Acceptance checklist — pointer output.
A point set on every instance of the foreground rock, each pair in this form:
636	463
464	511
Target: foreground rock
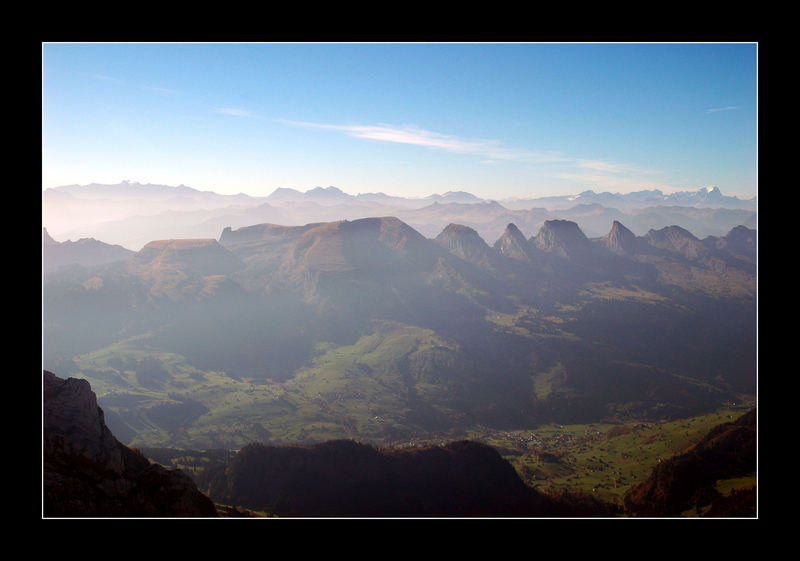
88	473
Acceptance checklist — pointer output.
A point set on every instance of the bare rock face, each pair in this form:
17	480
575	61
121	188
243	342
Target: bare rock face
513	244
89	473
562	237
620	240
464	242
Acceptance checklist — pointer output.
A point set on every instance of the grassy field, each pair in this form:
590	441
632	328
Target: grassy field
603	459
364	391
355	391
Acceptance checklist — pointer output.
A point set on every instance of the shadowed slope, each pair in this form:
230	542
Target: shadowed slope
87	472
346	479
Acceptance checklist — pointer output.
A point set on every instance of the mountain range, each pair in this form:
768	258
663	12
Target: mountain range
214	322
369	329
132	214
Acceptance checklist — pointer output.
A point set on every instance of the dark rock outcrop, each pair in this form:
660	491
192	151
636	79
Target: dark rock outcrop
88	473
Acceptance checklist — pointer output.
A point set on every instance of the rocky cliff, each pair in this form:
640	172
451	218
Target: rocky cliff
88	473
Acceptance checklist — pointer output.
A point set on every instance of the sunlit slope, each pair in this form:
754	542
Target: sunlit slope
367	329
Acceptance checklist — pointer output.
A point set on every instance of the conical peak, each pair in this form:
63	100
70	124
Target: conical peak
512	230
513	244
619	239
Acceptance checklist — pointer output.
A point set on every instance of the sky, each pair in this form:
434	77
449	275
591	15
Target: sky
499	120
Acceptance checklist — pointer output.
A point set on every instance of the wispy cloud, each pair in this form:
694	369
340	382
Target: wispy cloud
120	82
236	112
718	109
614	168
160	90
105	78
596	174
489	150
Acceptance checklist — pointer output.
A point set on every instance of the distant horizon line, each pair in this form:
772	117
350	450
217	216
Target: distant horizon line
698	190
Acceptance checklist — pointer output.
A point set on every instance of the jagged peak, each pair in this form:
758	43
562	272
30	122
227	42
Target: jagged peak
513	244
513	230
619	239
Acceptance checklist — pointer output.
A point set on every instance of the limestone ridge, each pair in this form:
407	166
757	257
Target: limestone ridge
512	244
678	240
740	242
620	240
562	237
89	473
464	242
202	256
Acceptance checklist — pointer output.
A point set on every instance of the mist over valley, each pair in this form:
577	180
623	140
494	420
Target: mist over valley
399	280
367	329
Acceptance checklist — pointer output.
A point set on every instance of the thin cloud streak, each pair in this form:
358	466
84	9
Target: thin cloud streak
491	150
236	112
718	109
609	175
613	168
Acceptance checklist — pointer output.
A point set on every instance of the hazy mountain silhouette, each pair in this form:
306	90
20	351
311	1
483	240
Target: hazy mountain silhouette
131	214
84	252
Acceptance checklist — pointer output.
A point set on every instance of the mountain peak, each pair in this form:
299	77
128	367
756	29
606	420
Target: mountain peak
562	237
677	240
513	244
199	256
464	242
330	190
620	240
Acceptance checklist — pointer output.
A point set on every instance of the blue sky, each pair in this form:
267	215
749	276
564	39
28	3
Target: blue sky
497	120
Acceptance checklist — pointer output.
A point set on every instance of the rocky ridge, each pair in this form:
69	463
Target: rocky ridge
89	473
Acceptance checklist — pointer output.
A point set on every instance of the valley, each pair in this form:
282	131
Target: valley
582	361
